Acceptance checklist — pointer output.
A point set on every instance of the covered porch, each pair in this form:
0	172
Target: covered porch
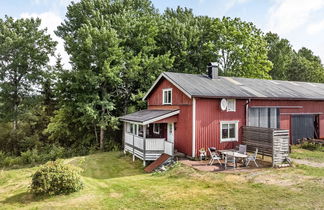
149	133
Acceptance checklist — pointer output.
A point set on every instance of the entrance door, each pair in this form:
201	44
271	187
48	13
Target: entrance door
171	132
169	144
302	126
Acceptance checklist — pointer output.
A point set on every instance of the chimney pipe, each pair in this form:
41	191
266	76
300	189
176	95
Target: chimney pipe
212	70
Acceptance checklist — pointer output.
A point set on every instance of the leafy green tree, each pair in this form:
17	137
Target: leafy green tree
114	58
183	35
24	53
280	54
305	66
239	48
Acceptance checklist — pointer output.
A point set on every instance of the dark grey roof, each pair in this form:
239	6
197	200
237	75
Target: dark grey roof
224	87
146	115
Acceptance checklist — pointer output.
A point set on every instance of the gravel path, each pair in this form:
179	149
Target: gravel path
309	163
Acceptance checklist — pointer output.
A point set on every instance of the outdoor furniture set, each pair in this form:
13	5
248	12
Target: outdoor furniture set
231	156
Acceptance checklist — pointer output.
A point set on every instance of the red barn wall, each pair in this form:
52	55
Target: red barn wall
209	116
310	107
183	126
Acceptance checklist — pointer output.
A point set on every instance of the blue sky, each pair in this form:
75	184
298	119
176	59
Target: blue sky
300	21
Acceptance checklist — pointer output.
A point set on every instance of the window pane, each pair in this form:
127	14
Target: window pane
254	117
169	96
230	104
224	131
131	128
273	118
264	118
136	129
232	130
140	130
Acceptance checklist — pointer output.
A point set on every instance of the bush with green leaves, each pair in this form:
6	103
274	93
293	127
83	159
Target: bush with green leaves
30	156
55	178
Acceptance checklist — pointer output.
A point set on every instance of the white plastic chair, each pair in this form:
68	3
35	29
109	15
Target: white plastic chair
242	149
213	156
252	158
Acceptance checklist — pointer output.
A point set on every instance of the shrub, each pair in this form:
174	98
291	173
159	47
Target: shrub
52	152
2	158
12	161
309	146
55	178
30	156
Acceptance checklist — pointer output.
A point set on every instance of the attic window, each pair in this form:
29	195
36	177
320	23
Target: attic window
231	105
167	96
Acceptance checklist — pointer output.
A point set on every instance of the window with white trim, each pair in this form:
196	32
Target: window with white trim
167	96
231	105
128	127
229	131
156	128
133	128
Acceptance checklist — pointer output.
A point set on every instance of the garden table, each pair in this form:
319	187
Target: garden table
232	153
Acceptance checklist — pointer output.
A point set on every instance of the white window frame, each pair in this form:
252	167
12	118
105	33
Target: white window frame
234	106
221	131
164	91
156	125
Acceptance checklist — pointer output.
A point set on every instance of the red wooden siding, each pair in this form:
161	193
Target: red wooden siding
311	107
321	130
178	97
208	119
183	126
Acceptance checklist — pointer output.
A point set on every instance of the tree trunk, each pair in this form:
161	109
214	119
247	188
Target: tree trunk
102	138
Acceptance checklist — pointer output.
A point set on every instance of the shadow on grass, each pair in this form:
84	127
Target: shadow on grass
23	198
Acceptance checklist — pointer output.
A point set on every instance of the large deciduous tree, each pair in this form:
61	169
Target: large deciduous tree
280	54
114	58
24	53
239	48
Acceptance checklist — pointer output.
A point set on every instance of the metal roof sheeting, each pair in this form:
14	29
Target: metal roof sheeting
233	87
147	115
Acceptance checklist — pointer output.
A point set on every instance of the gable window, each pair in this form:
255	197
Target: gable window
229	131
156	128
231	105
264	117
167	96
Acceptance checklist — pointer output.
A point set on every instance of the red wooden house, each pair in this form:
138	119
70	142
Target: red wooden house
187	112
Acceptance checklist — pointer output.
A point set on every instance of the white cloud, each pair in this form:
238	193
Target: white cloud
287	15
50	20
315	28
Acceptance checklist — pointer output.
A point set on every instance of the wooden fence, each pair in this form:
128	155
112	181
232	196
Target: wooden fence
270	142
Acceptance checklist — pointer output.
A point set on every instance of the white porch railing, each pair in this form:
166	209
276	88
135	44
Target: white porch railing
148	149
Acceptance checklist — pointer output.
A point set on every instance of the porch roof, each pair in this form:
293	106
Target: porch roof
148	116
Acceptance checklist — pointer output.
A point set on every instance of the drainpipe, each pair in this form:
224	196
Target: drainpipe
247	112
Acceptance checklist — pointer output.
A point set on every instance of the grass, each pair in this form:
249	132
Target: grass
311	155
113	181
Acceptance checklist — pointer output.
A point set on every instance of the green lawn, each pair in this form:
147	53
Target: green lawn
112	181
299	153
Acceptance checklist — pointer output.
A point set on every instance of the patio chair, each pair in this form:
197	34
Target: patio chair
242	149
213	156
252	158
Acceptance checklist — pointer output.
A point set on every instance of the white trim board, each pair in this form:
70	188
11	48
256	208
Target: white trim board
193	127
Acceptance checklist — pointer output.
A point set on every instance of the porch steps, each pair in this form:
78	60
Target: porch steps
158	162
